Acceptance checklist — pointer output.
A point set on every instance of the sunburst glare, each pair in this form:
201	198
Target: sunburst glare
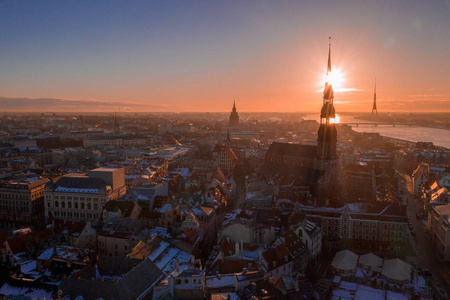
336	79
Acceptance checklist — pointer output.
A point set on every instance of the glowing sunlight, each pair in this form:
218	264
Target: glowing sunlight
336	79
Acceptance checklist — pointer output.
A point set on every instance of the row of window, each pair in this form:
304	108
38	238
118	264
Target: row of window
71	198
21	195
76	215
75	205
186	281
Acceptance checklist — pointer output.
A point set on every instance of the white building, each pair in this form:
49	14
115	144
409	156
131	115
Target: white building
82	197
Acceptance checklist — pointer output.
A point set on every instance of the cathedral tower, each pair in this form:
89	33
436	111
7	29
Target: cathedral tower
327	135
328	188
234	117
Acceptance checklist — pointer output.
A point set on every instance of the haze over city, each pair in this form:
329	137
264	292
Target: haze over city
198	56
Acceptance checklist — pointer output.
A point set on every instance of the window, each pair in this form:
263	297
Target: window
63	204
82	205
89	206
95	206
69	204
76	205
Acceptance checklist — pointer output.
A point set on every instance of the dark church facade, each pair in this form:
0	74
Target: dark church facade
315	165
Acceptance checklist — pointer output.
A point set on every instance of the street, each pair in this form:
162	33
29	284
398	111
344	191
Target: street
425	251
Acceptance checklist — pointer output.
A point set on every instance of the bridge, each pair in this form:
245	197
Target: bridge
376	124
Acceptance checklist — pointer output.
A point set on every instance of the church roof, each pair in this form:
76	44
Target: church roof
304	174
286	149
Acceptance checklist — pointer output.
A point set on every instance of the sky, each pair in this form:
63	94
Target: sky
199	56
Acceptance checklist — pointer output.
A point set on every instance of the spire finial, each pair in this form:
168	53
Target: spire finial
329	55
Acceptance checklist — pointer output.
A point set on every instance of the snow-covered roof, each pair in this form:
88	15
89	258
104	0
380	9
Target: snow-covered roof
345	260
370	260
396	269
76	190
30	292
220	281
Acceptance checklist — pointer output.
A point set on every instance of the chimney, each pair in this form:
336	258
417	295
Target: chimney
237	248
178	266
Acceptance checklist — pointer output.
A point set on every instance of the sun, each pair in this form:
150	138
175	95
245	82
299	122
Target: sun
336	79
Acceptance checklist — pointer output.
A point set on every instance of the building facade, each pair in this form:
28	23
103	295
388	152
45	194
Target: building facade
82	197
439	229
22	201
377	227
115	141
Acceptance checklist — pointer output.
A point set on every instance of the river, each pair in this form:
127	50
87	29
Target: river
439	137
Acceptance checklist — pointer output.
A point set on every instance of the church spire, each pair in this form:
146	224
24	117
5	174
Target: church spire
327	135
228	140
328	93
329	56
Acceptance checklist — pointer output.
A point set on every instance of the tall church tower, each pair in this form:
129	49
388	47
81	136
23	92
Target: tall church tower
328	188
327	135
234	117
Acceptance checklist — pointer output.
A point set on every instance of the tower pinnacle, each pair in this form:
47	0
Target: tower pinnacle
329	56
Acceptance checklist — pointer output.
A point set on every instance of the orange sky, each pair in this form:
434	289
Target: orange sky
269	56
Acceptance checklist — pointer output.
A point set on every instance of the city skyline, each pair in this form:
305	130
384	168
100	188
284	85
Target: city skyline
184	57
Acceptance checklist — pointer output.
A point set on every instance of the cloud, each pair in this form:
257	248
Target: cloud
65	104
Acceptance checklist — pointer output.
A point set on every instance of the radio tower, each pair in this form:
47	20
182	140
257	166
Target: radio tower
374	108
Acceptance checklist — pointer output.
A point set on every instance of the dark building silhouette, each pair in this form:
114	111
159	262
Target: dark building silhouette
316	166
234	117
